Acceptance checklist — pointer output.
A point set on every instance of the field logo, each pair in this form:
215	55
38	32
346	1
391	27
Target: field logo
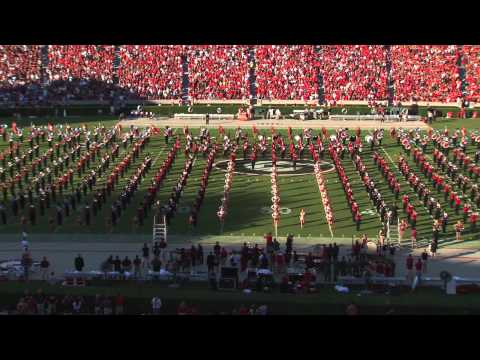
284	167
368	212
267	210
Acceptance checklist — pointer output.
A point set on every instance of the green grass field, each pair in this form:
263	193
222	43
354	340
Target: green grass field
249	196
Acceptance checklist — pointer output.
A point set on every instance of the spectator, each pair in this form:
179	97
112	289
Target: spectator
418	268
210	262
44	268
127	265
352	309
97	305
137	267
409	266
146	255
156	305
182	309
77	305
107	306
156	264
424	258
26	264
79	263
119	304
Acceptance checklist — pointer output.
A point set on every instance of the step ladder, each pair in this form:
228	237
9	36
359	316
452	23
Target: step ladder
394	236
159	228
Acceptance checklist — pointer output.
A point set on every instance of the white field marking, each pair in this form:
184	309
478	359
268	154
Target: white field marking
160	153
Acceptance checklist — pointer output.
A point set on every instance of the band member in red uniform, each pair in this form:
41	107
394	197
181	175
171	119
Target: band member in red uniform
473	221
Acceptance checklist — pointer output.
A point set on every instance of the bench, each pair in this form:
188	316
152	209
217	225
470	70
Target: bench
374	117
203	116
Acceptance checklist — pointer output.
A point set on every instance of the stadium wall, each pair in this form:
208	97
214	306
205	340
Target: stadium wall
260	102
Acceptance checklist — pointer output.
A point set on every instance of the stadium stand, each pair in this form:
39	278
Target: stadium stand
33	74
20	74
471	61
80	72
425	73
286	72
354	72
151	71
218	71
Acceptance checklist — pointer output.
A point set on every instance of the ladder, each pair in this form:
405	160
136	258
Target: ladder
159	228
394	236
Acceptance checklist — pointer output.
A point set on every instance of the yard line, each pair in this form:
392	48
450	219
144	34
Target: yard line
160	153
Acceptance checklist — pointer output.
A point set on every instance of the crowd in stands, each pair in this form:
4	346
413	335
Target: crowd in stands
286	72
471	62
425	73
151	71
354	72
349	72
20	73
80	72
218	71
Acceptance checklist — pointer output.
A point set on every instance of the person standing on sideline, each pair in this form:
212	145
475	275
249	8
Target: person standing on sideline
119	304
44	268
24	241
145	255
79	263
418	269
137	267
424	257
433	248
302	218
156	305
26	263
409	265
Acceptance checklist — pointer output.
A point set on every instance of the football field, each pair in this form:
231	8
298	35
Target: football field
249	207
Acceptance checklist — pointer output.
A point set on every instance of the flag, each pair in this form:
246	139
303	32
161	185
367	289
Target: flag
254	129
221	130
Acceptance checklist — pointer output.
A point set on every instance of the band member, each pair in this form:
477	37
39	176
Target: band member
294	161
302	218
458	230
253	159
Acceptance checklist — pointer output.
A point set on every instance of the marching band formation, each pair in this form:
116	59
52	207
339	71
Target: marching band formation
82	167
